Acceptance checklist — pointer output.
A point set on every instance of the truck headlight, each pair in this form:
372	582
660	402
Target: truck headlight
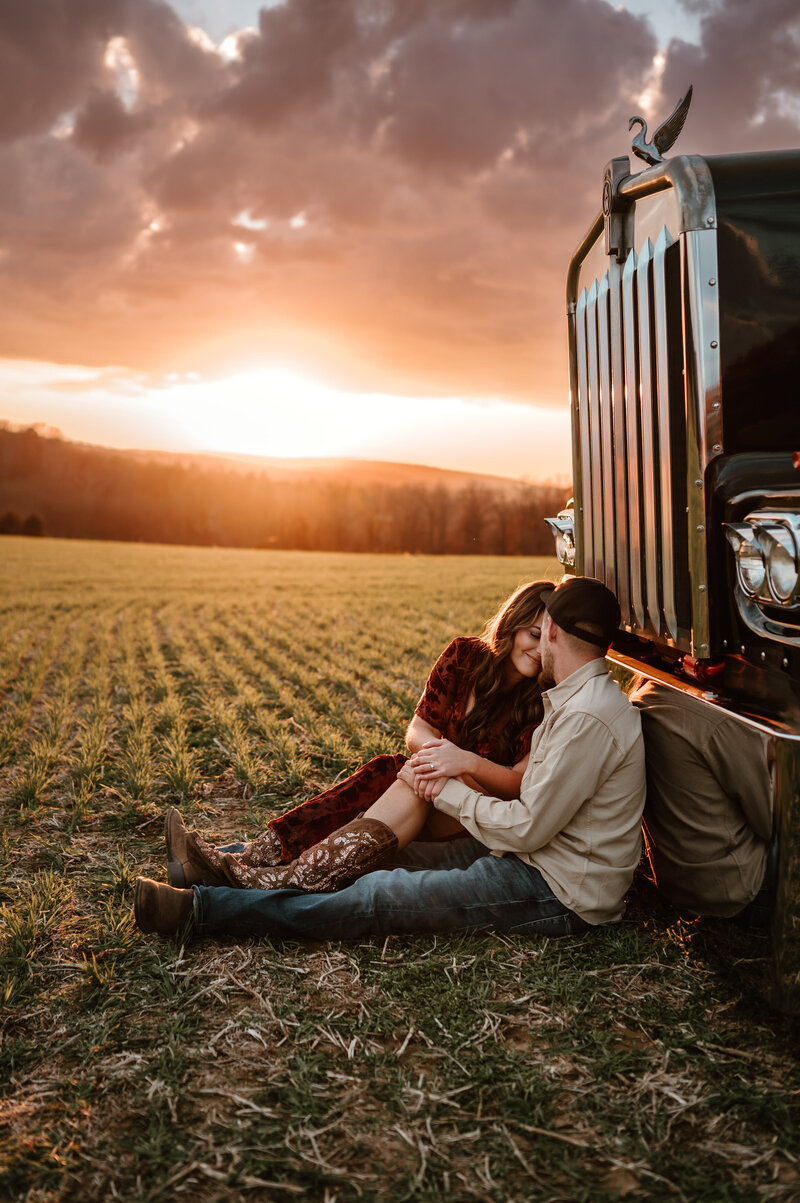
767	549
782	566
563	529
565	547
750	566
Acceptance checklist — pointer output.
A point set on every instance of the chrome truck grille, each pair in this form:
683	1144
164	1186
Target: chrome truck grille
627	340
644	337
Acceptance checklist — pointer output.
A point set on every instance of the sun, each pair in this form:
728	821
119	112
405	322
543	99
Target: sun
266	412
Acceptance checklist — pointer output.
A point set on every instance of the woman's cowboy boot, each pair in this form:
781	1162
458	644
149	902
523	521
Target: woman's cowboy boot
159	908
333	863
265	850
189	864
186	863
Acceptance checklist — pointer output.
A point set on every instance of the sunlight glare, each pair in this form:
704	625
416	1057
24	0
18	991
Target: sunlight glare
271	412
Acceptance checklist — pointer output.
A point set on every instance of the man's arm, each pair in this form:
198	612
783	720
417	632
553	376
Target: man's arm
553	790
739	758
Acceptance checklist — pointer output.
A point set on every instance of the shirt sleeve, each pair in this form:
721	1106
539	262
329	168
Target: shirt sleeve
440	694
553	789
737	756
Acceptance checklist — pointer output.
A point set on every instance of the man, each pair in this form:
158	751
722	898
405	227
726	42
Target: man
557	860
708	816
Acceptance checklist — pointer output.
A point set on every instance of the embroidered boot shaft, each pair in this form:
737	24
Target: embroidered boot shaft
266	850
333	863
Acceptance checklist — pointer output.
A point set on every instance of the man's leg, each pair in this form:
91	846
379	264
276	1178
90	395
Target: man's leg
498	893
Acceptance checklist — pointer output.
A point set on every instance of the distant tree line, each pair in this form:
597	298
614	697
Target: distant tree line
76	491
12	524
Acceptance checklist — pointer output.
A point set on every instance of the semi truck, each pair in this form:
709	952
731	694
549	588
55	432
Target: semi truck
683	307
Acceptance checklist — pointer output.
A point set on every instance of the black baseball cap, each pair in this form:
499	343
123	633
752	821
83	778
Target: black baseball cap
581	600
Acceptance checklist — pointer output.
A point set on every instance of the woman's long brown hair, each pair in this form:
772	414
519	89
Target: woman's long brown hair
520	611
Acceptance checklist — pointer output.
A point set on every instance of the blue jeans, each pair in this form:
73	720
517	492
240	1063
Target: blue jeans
441	887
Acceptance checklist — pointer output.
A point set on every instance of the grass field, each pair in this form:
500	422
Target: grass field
632	1062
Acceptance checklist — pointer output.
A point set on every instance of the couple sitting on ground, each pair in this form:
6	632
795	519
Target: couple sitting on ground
519	809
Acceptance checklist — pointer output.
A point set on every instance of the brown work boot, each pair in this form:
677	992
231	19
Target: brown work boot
333	863
161	908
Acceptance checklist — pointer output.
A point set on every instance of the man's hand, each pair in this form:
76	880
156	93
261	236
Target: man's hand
428	789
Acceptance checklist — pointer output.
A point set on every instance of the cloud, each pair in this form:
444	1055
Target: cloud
416	176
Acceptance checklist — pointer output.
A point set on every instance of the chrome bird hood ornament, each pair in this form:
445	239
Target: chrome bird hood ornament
664	137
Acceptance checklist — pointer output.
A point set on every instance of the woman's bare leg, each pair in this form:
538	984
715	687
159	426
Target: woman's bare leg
402	810
407	814
438	825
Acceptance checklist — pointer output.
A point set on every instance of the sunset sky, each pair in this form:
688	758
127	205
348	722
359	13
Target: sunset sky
335	227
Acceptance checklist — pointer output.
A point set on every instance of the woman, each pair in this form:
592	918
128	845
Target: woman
475	719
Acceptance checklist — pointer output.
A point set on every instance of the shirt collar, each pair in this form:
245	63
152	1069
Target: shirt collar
565	689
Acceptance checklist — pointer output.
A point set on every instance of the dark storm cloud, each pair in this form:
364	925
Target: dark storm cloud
388	190
104	126
50	52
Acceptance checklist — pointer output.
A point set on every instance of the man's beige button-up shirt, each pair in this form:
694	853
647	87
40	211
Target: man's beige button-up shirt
578	816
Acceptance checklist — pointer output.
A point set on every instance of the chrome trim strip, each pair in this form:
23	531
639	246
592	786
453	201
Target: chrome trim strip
648	449
669	608
633	465
585	549
606	435
577	365
689	175
595	517
619	449
702	368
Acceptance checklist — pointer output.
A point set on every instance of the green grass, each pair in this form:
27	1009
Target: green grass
636	1061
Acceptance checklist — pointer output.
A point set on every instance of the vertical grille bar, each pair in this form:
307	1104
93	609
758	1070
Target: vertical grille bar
703	413
585	449
629	330
596	498
606	434
648	448
669	606
620	451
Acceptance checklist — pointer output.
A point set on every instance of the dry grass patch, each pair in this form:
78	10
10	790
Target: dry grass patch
636	1062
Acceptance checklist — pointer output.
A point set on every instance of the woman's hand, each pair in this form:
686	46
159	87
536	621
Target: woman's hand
439	758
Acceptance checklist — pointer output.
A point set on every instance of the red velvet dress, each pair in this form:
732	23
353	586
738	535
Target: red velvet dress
442	704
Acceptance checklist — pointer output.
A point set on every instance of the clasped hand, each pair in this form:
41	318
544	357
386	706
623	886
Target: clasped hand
436	761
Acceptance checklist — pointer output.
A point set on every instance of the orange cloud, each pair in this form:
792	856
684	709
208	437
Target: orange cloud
414	175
